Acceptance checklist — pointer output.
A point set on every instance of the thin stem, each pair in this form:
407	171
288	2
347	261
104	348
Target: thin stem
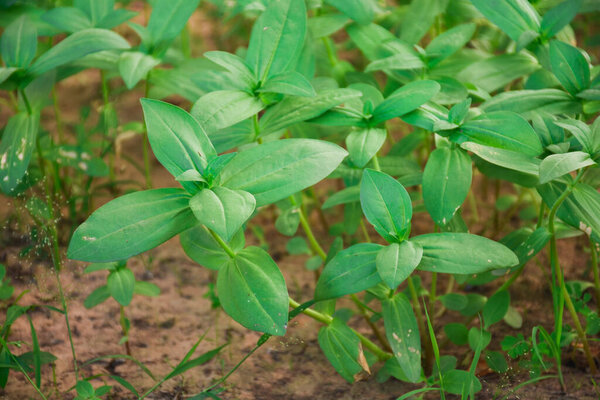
123	321
26	101
16	361
432	293
365	232
594	254
422	327
222	243
363	310
326	319
579	329
376	166
308	231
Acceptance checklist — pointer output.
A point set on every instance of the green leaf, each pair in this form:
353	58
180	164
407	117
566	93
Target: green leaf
396	262
121	283
582	133
252	291
326	25
290	83
287	222
559	16
347	195
350	271
96	10
167	20
108	266
131	224
459	382
505	158
292	110
67	19
446	183
505	130
235	65
557	165
457	333
569	66
419	18
146	289
528	103
341	347
84	389
403	58
404	100
134	66
493	73
5	73
512	16
276	170
454	302
18	44
364	143
402	333
496	308
361	11
16	149
100	295
386	204
462	253
178	141
448	43
297	246
277	38
77	46
201	247
187	364
496	361
223	108
223	210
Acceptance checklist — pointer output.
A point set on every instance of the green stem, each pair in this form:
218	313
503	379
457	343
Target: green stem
26	101
222	243
422	327
308	231
16	361
594	254
432	293
123	321
363	311
376	166
326	319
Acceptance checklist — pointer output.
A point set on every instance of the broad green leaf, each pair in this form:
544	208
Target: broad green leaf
5	73
108	266
223	108
446	183
530	102
347	195
582	133
457	333
292	110
512	16
276	170
403	58
75	47
277	38
98	296
223	210
558	17
96	10
364	143
460	382
115	17
361	11
579	209
121	283
252	291
235	65
19	43
287	222
402	333
404	100
167	20
505	158
459	111
462	253
178	141
396	262
386	204
131	224
134	66
496	361
505	130
16	149
201	247
326	25
351	271
373	40
448	43
418	19
427	116
496	307
491	74
291	83
533	244
341	347
557	165
454	301
67	19
569	66
146	289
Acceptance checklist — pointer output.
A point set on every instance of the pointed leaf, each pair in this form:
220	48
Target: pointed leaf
341	347
223	108
233	64
290	82
200	246
134	66
364	143
18	44
557	165
121	283
404	100
168	19
131	224
16	149
569	66
512	16
396	262
252	291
